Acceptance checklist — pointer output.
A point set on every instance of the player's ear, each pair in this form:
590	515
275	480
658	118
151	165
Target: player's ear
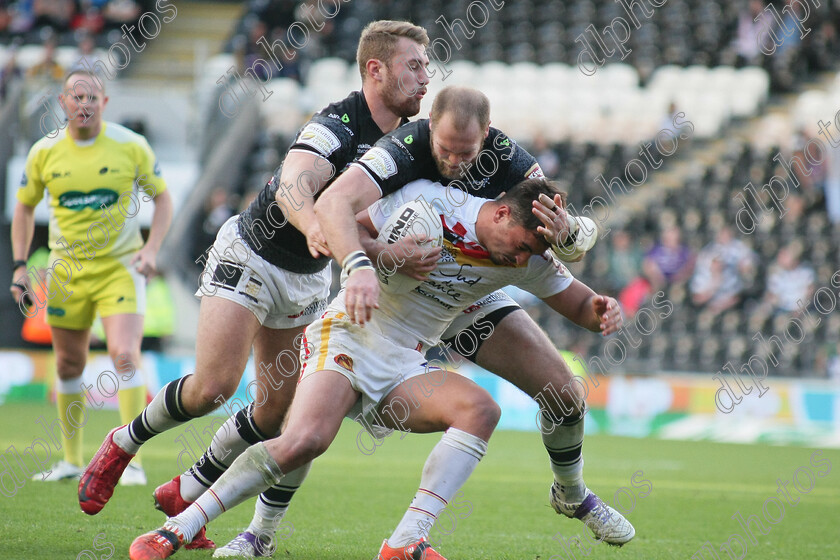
502	213
374	68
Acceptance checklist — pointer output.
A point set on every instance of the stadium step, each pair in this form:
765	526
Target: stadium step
198	31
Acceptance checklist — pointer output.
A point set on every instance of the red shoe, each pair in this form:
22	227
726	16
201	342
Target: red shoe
97	483
168	500
160	543
421	550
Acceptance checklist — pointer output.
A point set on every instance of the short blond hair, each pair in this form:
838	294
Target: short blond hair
464	104
379	41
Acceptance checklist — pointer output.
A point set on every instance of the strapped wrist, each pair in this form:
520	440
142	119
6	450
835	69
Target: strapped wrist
357	260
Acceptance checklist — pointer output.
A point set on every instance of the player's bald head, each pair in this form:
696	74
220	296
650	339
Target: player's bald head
463	105
73	76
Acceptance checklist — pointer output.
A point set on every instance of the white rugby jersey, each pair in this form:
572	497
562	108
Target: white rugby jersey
464	273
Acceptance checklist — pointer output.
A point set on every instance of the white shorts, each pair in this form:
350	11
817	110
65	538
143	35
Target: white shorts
372	363
472	316
278	298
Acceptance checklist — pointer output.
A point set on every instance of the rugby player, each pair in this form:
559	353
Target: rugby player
261	285
348	368
457	147
97	174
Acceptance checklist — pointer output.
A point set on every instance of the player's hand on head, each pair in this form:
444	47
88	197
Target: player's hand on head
145	261
361	295
609	314
414	257
552	214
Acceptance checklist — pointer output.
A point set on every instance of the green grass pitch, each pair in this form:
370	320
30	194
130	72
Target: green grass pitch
352	501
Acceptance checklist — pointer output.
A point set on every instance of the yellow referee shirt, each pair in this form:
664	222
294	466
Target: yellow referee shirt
94	187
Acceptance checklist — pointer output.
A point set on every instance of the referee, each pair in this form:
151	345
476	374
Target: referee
96	174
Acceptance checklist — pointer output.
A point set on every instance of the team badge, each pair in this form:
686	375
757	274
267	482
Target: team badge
252	288
344	361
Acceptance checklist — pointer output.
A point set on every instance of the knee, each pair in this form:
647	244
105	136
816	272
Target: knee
307	445
69	366
212	394
483	411
124	357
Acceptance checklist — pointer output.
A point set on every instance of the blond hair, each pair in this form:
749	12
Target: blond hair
379	41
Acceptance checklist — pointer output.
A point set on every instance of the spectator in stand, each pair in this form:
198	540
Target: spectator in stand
219	207
669	261
789	282
55	14
5	18
10	72
724	269
118	12
277	13
752	22
86	52
48	69
713	286
624	261
89	18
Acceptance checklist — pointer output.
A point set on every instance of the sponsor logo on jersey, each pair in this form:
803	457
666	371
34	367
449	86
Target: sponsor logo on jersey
319	137
534	172
408	139
380	162
75	200
103	171
157	169
57	311
23	180
344	361
345	119
402	146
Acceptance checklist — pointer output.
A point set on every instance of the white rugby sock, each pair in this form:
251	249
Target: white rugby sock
564	443
272	504
251	473
447	469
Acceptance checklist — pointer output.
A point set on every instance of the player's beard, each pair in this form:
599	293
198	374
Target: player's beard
443	167
397	101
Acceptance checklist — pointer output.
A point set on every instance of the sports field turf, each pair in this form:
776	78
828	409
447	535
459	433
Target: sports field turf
352	501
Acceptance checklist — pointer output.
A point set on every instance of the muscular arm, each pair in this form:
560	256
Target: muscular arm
582	306
406	256
304	175
336	211
337	208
